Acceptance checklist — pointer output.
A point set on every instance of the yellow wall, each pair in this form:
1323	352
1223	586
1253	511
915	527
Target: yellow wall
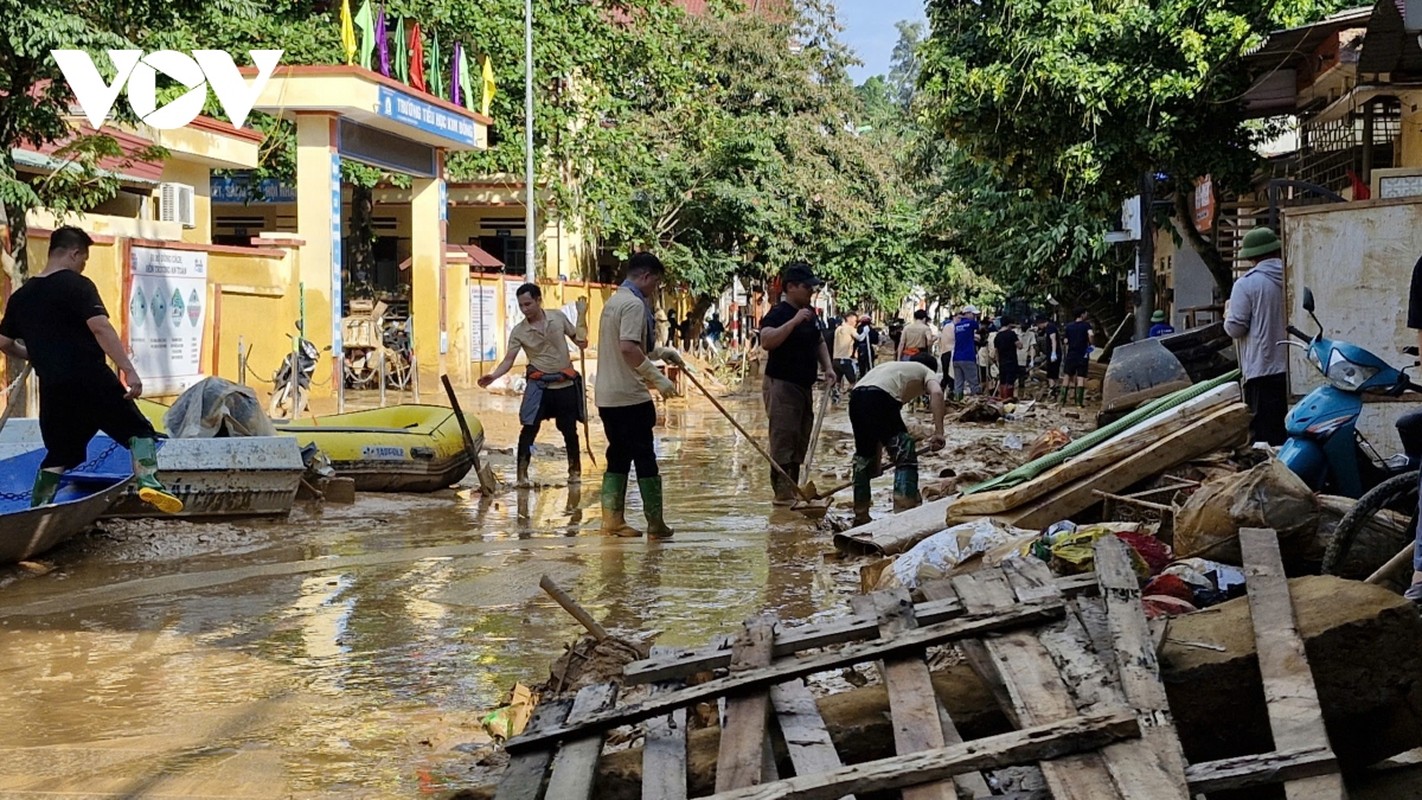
195	175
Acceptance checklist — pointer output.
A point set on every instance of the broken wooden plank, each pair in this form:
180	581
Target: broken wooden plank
1214	431
575	766
523	778
682	663
967	626
918	719
664	753
1260	770
1035	691
806	737
1137	662
740	761
1038	743
1133	764
1295	716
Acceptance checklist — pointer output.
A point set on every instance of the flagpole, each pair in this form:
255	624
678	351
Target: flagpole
530	269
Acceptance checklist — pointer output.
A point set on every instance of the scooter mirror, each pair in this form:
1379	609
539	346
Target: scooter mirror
1308	300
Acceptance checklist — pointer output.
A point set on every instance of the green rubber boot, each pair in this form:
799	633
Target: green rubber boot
906	494
45	488
862	502
651	489
614	506
1081	396
144	452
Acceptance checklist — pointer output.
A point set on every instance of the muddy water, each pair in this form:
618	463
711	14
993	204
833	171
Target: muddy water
350	651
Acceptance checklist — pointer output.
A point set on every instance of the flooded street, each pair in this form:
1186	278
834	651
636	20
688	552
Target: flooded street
350	651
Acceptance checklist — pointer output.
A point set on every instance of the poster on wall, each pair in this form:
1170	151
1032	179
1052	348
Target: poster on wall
167	306
512	316
483	330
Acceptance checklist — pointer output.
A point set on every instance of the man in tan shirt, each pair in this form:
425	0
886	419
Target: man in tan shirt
554	389
625	376
876	416
846	336
915	340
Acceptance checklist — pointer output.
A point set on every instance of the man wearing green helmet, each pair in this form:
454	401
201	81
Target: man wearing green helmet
1255	318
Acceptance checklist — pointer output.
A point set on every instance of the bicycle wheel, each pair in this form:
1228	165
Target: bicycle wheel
1395	492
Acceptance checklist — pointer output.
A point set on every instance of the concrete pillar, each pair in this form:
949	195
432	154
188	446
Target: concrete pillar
318	224
429	214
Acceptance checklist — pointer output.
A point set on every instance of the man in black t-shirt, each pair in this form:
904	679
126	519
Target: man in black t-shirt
1076	364
58	323
1050	344
790	333
1008	343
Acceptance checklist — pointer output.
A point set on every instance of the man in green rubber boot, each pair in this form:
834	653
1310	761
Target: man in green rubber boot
876	416
625	377
58	323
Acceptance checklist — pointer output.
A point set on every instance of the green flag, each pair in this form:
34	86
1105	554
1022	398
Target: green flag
464	94
402	61
436	72
365	20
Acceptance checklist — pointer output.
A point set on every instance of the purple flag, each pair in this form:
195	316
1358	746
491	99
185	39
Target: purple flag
380	40
454	96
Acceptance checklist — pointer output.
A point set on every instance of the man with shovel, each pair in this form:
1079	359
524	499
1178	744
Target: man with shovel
58	323
554	390
790	333
876	415
625	375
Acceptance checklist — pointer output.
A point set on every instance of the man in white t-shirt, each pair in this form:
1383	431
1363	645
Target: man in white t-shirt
876	416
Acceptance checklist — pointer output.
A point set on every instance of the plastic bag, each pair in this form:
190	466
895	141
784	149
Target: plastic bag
217	407
1267	496
935	556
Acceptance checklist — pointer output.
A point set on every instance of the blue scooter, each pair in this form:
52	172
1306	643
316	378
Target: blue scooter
1324	446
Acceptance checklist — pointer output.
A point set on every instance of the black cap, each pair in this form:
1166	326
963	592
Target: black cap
800	272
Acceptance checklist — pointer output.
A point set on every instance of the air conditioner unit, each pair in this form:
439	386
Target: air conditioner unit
177	202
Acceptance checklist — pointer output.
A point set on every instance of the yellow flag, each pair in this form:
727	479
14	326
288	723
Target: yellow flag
489	87
348	39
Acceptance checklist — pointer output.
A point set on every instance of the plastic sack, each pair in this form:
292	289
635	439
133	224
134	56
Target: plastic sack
935	556
1267	496
217	407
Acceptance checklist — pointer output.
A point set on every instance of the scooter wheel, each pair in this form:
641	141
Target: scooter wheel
1399	489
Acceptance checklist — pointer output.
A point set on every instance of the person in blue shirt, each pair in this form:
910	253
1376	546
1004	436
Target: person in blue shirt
1159	327
965	354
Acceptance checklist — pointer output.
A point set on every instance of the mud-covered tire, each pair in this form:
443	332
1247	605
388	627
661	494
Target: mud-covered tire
1387	494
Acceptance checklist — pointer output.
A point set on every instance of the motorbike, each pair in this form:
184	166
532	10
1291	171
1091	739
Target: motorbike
291	384
1326	449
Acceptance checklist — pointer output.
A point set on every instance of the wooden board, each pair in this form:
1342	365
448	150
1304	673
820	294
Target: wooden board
919	722
1130	441
896	532
664	754
523	778
1138	664
1295	716
1223	427
1034	689
968	626
740	762
1259	770
672	663
1038	743
806	737
575	766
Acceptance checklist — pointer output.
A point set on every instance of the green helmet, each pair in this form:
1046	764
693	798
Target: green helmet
1259	241
1158	316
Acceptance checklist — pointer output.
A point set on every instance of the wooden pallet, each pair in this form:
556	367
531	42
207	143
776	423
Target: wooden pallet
1079	679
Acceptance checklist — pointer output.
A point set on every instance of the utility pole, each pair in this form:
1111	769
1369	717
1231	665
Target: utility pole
1145	259
530	236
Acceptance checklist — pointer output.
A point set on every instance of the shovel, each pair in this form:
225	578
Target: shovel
15	389
488	484
809	486
760	449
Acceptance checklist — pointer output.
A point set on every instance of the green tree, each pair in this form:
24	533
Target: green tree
904	63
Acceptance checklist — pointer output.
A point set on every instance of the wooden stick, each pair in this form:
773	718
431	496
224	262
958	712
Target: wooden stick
10	404
1404	556
1120	498
804	495
486	484
815	434
571	606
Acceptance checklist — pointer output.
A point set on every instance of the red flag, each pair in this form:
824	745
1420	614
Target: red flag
1361	191
417	59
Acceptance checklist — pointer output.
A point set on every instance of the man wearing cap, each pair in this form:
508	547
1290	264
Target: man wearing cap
965	353
1254	316
1158	326
625	376
790	334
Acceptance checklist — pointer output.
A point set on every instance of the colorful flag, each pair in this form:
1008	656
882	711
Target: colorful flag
348	40
489	88
417	58
402	67
382	42
458	76
366	23
436	70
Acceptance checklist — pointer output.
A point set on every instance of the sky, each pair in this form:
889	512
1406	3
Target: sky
869	31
